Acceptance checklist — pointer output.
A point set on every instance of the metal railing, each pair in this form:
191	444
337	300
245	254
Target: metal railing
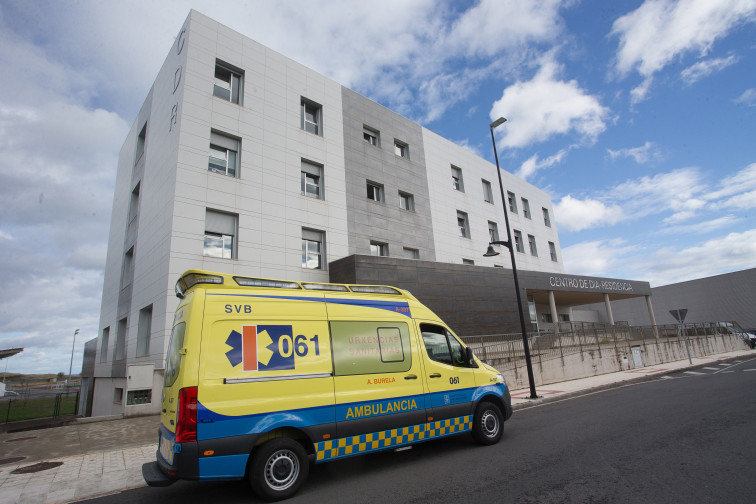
24	405
506	350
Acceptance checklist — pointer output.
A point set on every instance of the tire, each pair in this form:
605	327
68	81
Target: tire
279	467
488	424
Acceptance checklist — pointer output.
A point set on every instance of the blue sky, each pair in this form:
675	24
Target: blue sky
637	117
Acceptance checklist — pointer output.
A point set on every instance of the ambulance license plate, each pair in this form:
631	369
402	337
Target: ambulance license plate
166	449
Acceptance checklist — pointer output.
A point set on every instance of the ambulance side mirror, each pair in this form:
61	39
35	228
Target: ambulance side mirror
469	357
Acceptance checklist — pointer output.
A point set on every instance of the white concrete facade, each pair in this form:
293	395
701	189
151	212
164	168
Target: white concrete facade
161	200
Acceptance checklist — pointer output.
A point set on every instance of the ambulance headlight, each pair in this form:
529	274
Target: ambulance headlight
500	378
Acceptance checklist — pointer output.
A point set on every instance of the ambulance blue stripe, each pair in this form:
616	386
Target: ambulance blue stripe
212	425
400	307
223	467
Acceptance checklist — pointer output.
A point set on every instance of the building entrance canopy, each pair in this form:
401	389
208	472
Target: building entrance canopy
574	290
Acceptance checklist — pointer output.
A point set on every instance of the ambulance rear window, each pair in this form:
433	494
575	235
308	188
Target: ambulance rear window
173	358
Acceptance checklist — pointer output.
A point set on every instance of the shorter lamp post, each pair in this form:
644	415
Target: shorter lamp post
70	367
491	252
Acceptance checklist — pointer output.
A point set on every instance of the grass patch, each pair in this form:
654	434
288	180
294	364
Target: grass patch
27	409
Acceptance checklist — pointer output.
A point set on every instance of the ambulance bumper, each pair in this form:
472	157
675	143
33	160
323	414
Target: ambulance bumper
154	476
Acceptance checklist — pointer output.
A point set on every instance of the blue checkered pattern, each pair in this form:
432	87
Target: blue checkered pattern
366	443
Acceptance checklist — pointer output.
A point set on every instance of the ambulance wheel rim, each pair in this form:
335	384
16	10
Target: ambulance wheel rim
282	470
489	424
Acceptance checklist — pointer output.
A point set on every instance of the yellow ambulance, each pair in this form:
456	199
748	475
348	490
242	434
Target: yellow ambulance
263	375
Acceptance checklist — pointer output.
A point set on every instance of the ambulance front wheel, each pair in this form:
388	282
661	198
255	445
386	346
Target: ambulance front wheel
488	424
279	467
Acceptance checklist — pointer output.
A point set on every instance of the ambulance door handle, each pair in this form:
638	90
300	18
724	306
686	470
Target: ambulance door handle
436	375
410	377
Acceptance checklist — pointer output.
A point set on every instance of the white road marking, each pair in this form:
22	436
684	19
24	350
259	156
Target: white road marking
693	372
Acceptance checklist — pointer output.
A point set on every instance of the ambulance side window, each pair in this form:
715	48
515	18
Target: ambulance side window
442	346
370	347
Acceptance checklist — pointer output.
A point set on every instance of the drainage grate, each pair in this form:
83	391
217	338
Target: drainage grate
20	439
42	466
11	460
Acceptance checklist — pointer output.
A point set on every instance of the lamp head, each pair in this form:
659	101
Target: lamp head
490	252
498	122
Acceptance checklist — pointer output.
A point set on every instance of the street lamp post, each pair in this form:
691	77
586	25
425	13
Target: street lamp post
70	367
491	252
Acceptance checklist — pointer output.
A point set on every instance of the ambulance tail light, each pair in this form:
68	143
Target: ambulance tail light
186	425
186	282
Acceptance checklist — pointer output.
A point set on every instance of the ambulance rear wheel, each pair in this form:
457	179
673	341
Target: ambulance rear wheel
279	467
488	424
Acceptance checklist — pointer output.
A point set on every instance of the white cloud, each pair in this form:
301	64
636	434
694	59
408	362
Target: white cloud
575	214
702	69
661	31
734	251
641	155
679	196
702	227
533	164
748	98
492	26
671	264
597	257
546	106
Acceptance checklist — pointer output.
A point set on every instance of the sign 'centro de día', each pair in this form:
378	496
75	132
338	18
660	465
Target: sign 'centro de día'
590	284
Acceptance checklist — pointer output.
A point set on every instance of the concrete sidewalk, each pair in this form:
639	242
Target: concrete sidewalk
89	458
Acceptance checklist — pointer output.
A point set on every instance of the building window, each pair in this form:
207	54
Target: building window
144	331
546	317
134	203
469	262
512	202
493	231
312	180
457	182
228	83
104	344
406	201
401	149
518	241
224	155
375	191
463	224
127	271
141	140
411	253
546	219
532	245
564	317
379	249
138	397
313	249
312	117
525	208
120	347
118	395
552	250
487	192
220	231
371	136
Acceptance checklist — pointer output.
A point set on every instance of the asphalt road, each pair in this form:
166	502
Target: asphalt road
684	438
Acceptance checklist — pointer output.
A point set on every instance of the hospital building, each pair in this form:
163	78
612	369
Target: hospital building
244	161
